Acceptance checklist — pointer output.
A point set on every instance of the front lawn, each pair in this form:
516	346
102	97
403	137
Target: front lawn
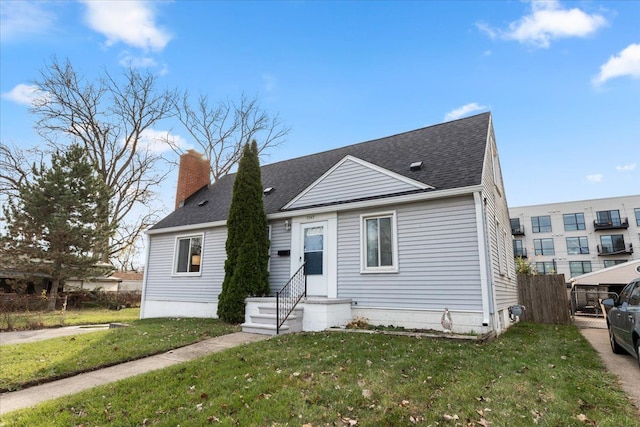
31	363
51	319
533	375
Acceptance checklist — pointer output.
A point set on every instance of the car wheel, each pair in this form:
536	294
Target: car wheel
614	344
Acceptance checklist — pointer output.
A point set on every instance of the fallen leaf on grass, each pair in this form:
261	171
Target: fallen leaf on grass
448	417
416	419
366	393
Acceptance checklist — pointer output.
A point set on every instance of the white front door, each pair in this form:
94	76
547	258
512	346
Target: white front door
315	254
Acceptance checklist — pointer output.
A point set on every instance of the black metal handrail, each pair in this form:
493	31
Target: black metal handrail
289	296
611	224
517	231
615	250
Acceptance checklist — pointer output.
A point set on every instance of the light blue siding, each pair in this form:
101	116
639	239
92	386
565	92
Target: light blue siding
351	181
279	265
498	227
161	285
437	255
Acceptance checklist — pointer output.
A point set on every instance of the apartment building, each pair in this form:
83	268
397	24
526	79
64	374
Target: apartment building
573	238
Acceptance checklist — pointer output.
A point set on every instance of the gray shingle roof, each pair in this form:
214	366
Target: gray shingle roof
452	152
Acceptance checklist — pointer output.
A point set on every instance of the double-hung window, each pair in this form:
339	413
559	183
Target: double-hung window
541	224
188	255
546	267
544	246
577	245
573	221
579	267
379	243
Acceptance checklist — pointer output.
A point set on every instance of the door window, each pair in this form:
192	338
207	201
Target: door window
313	250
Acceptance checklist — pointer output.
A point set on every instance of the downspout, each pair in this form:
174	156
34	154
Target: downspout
483	252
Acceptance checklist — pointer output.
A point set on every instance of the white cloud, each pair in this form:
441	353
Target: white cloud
463	111
129	60
626	168
128	21
626	63
156	140
547	21
24	94
595	177
23	18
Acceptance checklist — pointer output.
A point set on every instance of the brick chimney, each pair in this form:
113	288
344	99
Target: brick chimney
193	174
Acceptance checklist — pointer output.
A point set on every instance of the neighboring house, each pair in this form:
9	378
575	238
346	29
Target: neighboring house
577	237
394	230
131	281
100	283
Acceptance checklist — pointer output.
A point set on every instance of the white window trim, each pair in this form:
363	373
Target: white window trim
363	244
269	259
176	248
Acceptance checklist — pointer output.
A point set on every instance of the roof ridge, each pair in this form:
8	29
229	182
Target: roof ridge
374	140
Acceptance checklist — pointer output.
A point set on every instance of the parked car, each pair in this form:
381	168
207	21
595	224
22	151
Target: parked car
623	320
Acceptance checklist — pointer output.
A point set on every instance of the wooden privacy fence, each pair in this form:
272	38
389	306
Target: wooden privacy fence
545	299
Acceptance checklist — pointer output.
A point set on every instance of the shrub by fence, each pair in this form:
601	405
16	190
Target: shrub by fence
545	298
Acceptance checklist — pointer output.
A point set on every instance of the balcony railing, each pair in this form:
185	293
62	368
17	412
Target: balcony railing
611	225
520	253
615	250
517	231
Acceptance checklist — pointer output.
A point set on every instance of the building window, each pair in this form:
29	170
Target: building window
379	243
609	218
573	222
637	212
612	262
546	267
577	245
579	267
188	254
612	244
541	224
516	227
544	246
518	249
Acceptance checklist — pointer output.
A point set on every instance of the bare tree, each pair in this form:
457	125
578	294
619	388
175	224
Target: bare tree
221	131
109	117
15	167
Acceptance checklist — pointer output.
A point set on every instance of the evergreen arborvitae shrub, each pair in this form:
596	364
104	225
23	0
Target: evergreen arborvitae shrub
247	244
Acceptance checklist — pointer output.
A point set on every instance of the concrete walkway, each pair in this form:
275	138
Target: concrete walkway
624	366
20	337
31	396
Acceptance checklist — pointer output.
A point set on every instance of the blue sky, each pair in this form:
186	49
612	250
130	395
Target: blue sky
562	79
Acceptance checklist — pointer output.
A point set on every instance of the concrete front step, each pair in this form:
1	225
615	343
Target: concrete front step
271	309
264	322
264	329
